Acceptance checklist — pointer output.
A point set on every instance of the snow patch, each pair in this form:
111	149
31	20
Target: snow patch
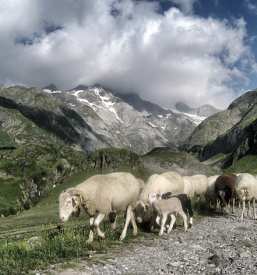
154	126
107	105
52	92
144	113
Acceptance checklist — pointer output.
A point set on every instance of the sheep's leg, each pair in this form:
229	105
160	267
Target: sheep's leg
199	202
233	205
249	208
172	221
243	210
157	220
254	212
114	223
96	224
128	218
91	233
133	221
183	215
163	221
154	216
190	222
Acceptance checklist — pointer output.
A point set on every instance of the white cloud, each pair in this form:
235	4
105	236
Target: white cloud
126	46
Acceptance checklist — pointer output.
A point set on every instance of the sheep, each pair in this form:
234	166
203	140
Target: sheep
195	185
210	195
165	208
185	202
225	189
246	190
166	182
102	195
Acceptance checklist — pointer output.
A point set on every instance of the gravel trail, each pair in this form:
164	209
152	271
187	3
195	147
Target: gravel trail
219	244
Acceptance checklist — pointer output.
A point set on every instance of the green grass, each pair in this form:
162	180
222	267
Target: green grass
247	164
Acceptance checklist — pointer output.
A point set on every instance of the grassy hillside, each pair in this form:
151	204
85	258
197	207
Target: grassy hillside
160	160
27	172
247	164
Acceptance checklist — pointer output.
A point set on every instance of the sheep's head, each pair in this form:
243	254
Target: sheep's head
152	197
67	205
140	211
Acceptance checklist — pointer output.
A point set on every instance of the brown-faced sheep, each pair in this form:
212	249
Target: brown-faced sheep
225	189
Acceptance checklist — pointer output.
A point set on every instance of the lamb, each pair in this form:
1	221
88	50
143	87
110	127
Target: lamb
185	202
166	182
246	190
225	189
102	195
165	208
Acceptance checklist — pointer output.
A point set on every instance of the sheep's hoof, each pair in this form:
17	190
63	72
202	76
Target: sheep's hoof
190	225
122	237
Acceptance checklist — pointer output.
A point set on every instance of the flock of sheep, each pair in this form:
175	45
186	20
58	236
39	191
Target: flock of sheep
168	194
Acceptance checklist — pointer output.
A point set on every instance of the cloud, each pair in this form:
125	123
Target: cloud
127	46
252	7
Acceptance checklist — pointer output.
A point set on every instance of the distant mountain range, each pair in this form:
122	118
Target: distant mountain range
127	121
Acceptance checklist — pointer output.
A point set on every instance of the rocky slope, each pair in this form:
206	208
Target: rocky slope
231	132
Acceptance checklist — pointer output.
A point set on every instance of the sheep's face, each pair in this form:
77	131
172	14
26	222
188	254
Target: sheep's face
140	211
66	206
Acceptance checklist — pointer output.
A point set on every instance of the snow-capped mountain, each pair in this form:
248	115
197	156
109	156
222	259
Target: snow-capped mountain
127	121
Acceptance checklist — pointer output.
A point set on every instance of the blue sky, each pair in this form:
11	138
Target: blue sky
196	51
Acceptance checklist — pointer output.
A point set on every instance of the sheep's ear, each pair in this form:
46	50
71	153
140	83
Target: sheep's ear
147	204
74	201
158	196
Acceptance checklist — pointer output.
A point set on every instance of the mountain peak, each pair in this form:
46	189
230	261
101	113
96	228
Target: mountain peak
51	87
182	107
80	87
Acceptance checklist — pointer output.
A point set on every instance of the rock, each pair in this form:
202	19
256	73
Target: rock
33	241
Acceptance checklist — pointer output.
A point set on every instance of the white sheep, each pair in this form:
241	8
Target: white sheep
103	194
210	193
198	186
166	182
246	189
165	208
